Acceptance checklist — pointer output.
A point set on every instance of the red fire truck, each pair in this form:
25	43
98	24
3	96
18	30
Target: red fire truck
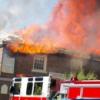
47	88
87	89
34	88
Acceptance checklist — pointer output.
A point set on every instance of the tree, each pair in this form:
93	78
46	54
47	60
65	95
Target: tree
89	76
82	76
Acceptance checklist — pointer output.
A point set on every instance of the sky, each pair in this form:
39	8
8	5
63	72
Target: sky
18	14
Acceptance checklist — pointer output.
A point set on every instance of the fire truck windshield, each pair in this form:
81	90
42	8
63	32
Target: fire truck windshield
15	90
17	87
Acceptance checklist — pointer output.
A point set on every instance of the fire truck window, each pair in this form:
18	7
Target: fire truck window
37	88
39	79
30	79
17	87
18	79
29	88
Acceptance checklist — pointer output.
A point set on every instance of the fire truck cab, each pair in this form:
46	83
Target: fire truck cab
30	88
33	88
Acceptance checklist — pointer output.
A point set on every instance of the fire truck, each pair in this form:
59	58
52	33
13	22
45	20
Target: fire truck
34	88
47	88
86	89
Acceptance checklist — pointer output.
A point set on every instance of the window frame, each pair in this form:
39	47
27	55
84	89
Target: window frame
18	83
37	82
7	56
37	57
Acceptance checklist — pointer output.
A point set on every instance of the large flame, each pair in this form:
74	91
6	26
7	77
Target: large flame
28	33
76	22
31	48
35	39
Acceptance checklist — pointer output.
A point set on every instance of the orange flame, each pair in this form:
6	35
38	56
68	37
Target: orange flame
75	20
28	32
33	42
31	48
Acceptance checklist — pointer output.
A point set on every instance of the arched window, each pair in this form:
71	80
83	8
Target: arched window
4	89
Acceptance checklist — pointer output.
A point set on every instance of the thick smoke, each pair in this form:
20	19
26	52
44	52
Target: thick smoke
78	21
3	21
74	24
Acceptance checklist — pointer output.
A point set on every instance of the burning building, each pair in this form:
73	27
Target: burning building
39	63
74	26
29	64
32	64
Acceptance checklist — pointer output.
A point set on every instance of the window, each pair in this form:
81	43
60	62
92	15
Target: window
29	88
39	63
39	79
18	79
38	88
4	89
30	79
8	62
17	87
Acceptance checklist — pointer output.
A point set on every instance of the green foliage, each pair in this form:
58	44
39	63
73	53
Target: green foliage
89	76
82	76
68	75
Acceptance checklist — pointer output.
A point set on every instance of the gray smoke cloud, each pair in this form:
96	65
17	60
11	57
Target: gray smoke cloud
20	13
3	20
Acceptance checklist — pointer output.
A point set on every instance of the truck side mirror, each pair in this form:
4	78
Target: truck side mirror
53	83
12	90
